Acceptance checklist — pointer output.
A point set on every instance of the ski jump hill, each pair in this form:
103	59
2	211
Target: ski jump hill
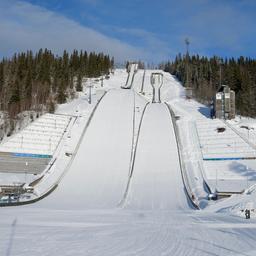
124	191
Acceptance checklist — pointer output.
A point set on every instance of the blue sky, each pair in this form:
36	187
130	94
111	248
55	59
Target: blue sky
147	30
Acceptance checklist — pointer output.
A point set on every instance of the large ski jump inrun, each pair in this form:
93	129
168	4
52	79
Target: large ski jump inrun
124	193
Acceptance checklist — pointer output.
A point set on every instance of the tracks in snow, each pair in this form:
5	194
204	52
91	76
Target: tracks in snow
133	152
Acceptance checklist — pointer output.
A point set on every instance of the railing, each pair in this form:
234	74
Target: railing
185	180
240	135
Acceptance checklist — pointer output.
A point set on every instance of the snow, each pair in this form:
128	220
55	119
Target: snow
246	127
231	175
98	178
39	137
225	144
156	181
83	216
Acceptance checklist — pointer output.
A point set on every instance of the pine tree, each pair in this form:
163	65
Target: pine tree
79	87
31	81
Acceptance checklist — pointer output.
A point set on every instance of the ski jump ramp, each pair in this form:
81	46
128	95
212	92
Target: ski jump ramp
99	173
81	218
132	69
156	181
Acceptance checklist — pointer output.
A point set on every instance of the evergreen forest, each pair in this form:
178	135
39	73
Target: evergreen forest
204	75
36	82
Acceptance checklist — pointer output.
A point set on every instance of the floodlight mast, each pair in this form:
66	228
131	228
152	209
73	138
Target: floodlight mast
219	60
187	42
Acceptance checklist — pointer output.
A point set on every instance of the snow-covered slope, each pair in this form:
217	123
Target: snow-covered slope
156	180
82	216
99	173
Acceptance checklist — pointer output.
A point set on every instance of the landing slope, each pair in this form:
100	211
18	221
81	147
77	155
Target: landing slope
156	182
98	175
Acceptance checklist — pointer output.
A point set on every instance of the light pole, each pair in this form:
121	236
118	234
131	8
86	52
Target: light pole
102	81
220	63
187	42
90	94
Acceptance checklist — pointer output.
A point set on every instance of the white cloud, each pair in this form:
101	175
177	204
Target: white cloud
24	26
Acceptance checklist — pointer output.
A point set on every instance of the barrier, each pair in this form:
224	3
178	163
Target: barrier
31	155
187	187
228	158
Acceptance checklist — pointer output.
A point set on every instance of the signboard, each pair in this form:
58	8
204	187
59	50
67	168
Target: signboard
218	96
227	95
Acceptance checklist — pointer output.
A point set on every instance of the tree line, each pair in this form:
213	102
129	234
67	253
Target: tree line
204	76
38	81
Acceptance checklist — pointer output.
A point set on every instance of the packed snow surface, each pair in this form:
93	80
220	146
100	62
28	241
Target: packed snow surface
156	182
83	216
99	172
